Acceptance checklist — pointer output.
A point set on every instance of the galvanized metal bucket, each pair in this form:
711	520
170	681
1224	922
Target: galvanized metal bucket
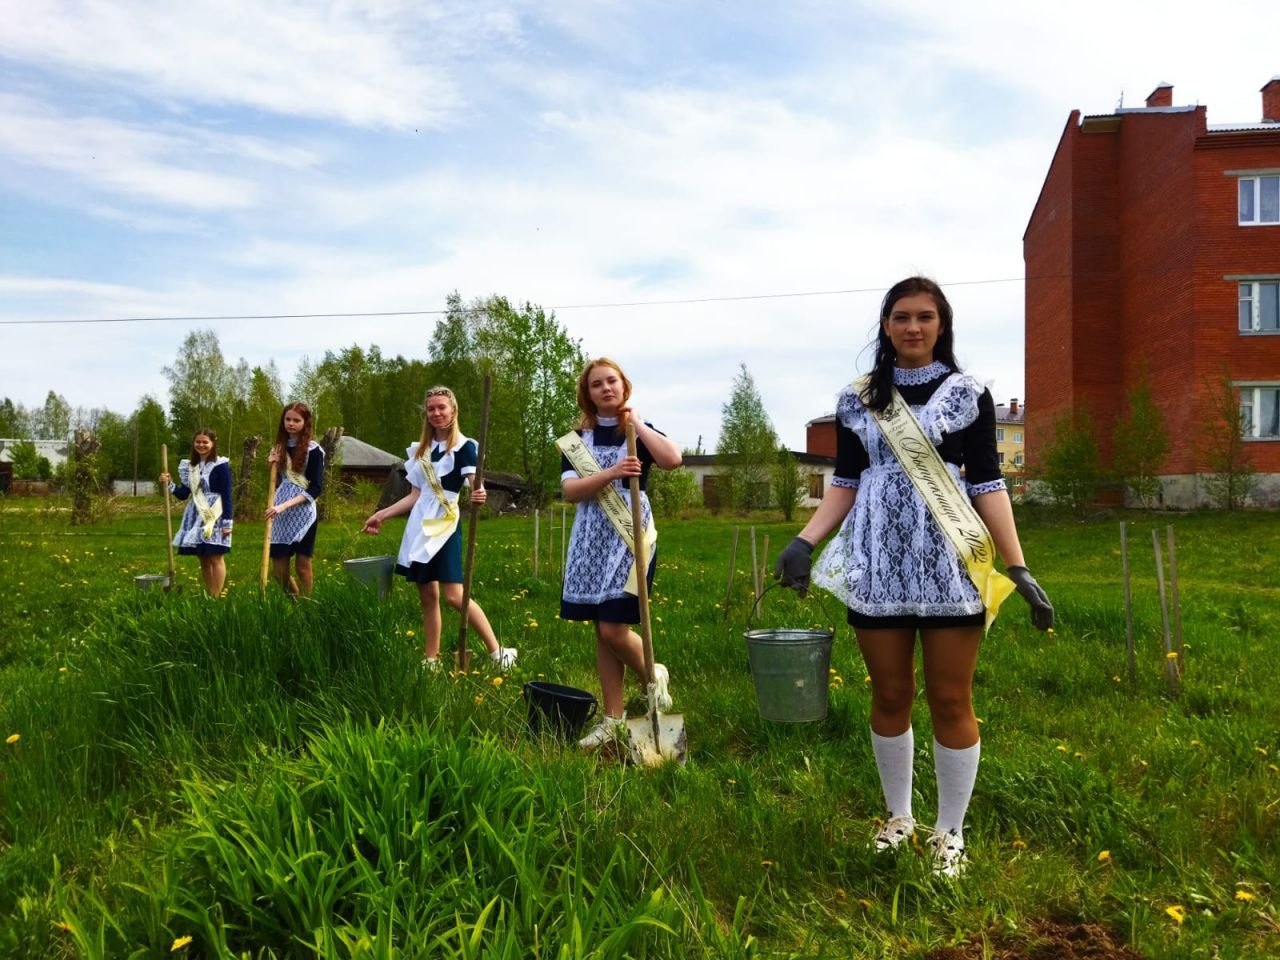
152	581
372	572
791	669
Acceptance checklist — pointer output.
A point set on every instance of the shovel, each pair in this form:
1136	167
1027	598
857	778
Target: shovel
463	654
168	519
266	534
658	737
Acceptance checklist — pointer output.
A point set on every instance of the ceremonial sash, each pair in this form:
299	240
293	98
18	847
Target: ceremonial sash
209	509
299	480
615	508
947	504
438	529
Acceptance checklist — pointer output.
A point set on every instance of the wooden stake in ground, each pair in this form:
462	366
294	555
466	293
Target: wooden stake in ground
564	514
1128	601
463	655
733	556
1171	671
762	574
168	515
535	543
1180	663
755	570
266	532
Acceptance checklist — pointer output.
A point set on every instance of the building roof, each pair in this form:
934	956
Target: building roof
1004	415
711	459
357	454
1237	127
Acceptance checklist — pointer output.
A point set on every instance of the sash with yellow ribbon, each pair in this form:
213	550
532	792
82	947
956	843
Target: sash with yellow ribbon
437	530
949	506
615	508
209	508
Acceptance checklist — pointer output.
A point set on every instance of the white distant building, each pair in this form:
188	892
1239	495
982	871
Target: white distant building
55	451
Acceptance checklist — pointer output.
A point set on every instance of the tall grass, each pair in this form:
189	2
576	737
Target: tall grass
274	779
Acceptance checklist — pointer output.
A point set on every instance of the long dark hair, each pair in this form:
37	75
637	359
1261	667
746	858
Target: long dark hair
213	451
879	391
298	457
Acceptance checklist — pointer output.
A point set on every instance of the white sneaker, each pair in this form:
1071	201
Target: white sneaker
948	856
662	688
430	665
895	832
504	657
608	730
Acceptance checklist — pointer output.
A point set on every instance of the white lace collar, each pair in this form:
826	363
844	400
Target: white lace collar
606	421
915	376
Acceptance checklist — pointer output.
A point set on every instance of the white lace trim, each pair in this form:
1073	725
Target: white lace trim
989	486
844	482
915	376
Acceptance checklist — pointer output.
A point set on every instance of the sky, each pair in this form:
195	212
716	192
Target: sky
776	166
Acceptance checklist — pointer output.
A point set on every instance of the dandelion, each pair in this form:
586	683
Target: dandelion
1079	755
179	944
1104	856
980	720
864	904
1051	630
842	893
13	738
867	678
732	782
62	669
496	681
532	624
1115	679
409	633
766	864
1196	743
1019	844
479	698
1244	896
1171	655
1261	750
1176	913
1062	748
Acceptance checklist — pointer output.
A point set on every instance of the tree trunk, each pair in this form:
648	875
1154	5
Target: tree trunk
245	508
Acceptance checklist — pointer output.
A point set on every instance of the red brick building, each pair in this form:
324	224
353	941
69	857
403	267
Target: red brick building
1155	246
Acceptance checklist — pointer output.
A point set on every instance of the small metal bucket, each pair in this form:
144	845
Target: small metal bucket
372	572
152	581
791	671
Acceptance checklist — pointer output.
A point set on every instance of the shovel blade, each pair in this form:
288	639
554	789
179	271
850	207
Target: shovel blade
672	742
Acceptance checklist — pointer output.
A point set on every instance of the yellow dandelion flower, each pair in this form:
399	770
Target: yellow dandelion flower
479	698
532	624
179	944
766	863
867	678
1019	844
13	738
1261	750
1244	896
732	782
980	720
1062	748
1273	767
864	904
831	670
1104	856
1079	755
496	681
1196	743
1051	630
409	633
1176	913
1115	679
62	669
1171	655
659	619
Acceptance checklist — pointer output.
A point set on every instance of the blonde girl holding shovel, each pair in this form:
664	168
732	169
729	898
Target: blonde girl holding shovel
293	515
600	567
914	552
205	531
431	549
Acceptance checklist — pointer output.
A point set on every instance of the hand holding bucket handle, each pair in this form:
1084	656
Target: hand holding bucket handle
755	607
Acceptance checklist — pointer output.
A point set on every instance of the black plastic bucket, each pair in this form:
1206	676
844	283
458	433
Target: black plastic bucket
558	709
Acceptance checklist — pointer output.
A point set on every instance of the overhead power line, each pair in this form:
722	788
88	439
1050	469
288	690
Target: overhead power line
567	306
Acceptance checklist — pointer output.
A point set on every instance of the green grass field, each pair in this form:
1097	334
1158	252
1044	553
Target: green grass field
271	779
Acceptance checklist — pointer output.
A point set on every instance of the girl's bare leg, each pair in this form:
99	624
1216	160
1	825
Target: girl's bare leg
617	647
475	615
950	658
890	659
305	576
429	597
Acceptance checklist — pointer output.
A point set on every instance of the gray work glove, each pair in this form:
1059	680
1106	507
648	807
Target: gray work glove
1033	593
794	562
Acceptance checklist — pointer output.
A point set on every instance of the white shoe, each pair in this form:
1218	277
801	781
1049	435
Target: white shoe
949	859
662	688
430	665
895	832
608	730
504	657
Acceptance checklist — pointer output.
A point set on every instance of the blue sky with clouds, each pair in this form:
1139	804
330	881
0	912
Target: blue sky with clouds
373	155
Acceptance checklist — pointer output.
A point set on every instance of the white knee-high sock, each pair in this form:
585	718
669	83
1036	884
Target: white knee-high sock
957	770
894	756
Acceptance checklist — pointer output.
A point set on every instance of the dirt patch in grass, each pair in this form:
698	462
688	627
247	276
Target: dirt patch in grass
1045	940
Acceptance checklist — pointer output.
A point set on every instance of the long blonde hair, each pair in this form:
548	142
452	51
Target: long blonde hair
428	432
585	404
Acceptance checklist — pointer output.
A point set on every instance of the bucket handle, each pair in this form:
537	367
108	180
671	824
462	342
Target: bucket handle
755	607
592	715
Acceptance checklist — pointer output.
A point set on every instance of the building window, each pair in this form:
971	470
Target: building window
1260	412
999	434
1259	200
815	486
1000	456
1017	459
1017	436
1260	306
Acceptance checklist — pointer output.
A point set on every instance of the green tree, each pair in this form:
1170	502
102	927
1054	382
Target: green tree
207	391
672	492
115	456
535	364
150	430
14	420
53	420
787	482
1141	443
1233	479
747	447
26	461
1071	468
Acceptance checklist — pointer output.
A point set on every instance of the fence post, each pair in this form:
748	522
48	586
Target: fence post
1128	601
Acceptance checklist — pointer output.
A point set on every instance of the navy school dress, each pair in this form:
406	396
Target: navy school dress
294	531
215	482
419	560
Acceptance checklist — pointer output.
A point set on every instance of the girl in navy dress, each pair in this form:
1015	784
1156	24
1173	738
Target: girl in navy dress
293	511
431	549
599	561
897	571
205	531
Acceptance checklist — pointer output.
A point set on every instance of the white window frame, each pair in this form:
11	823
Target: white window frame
1000	457
1254	299
1250	403
1255	181
1000	434
1017	436
1017	459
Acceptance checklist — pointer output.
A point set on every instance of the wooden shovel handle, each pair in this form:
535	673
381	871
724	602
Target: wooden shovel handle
266	534
642	561
476	482
168	512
